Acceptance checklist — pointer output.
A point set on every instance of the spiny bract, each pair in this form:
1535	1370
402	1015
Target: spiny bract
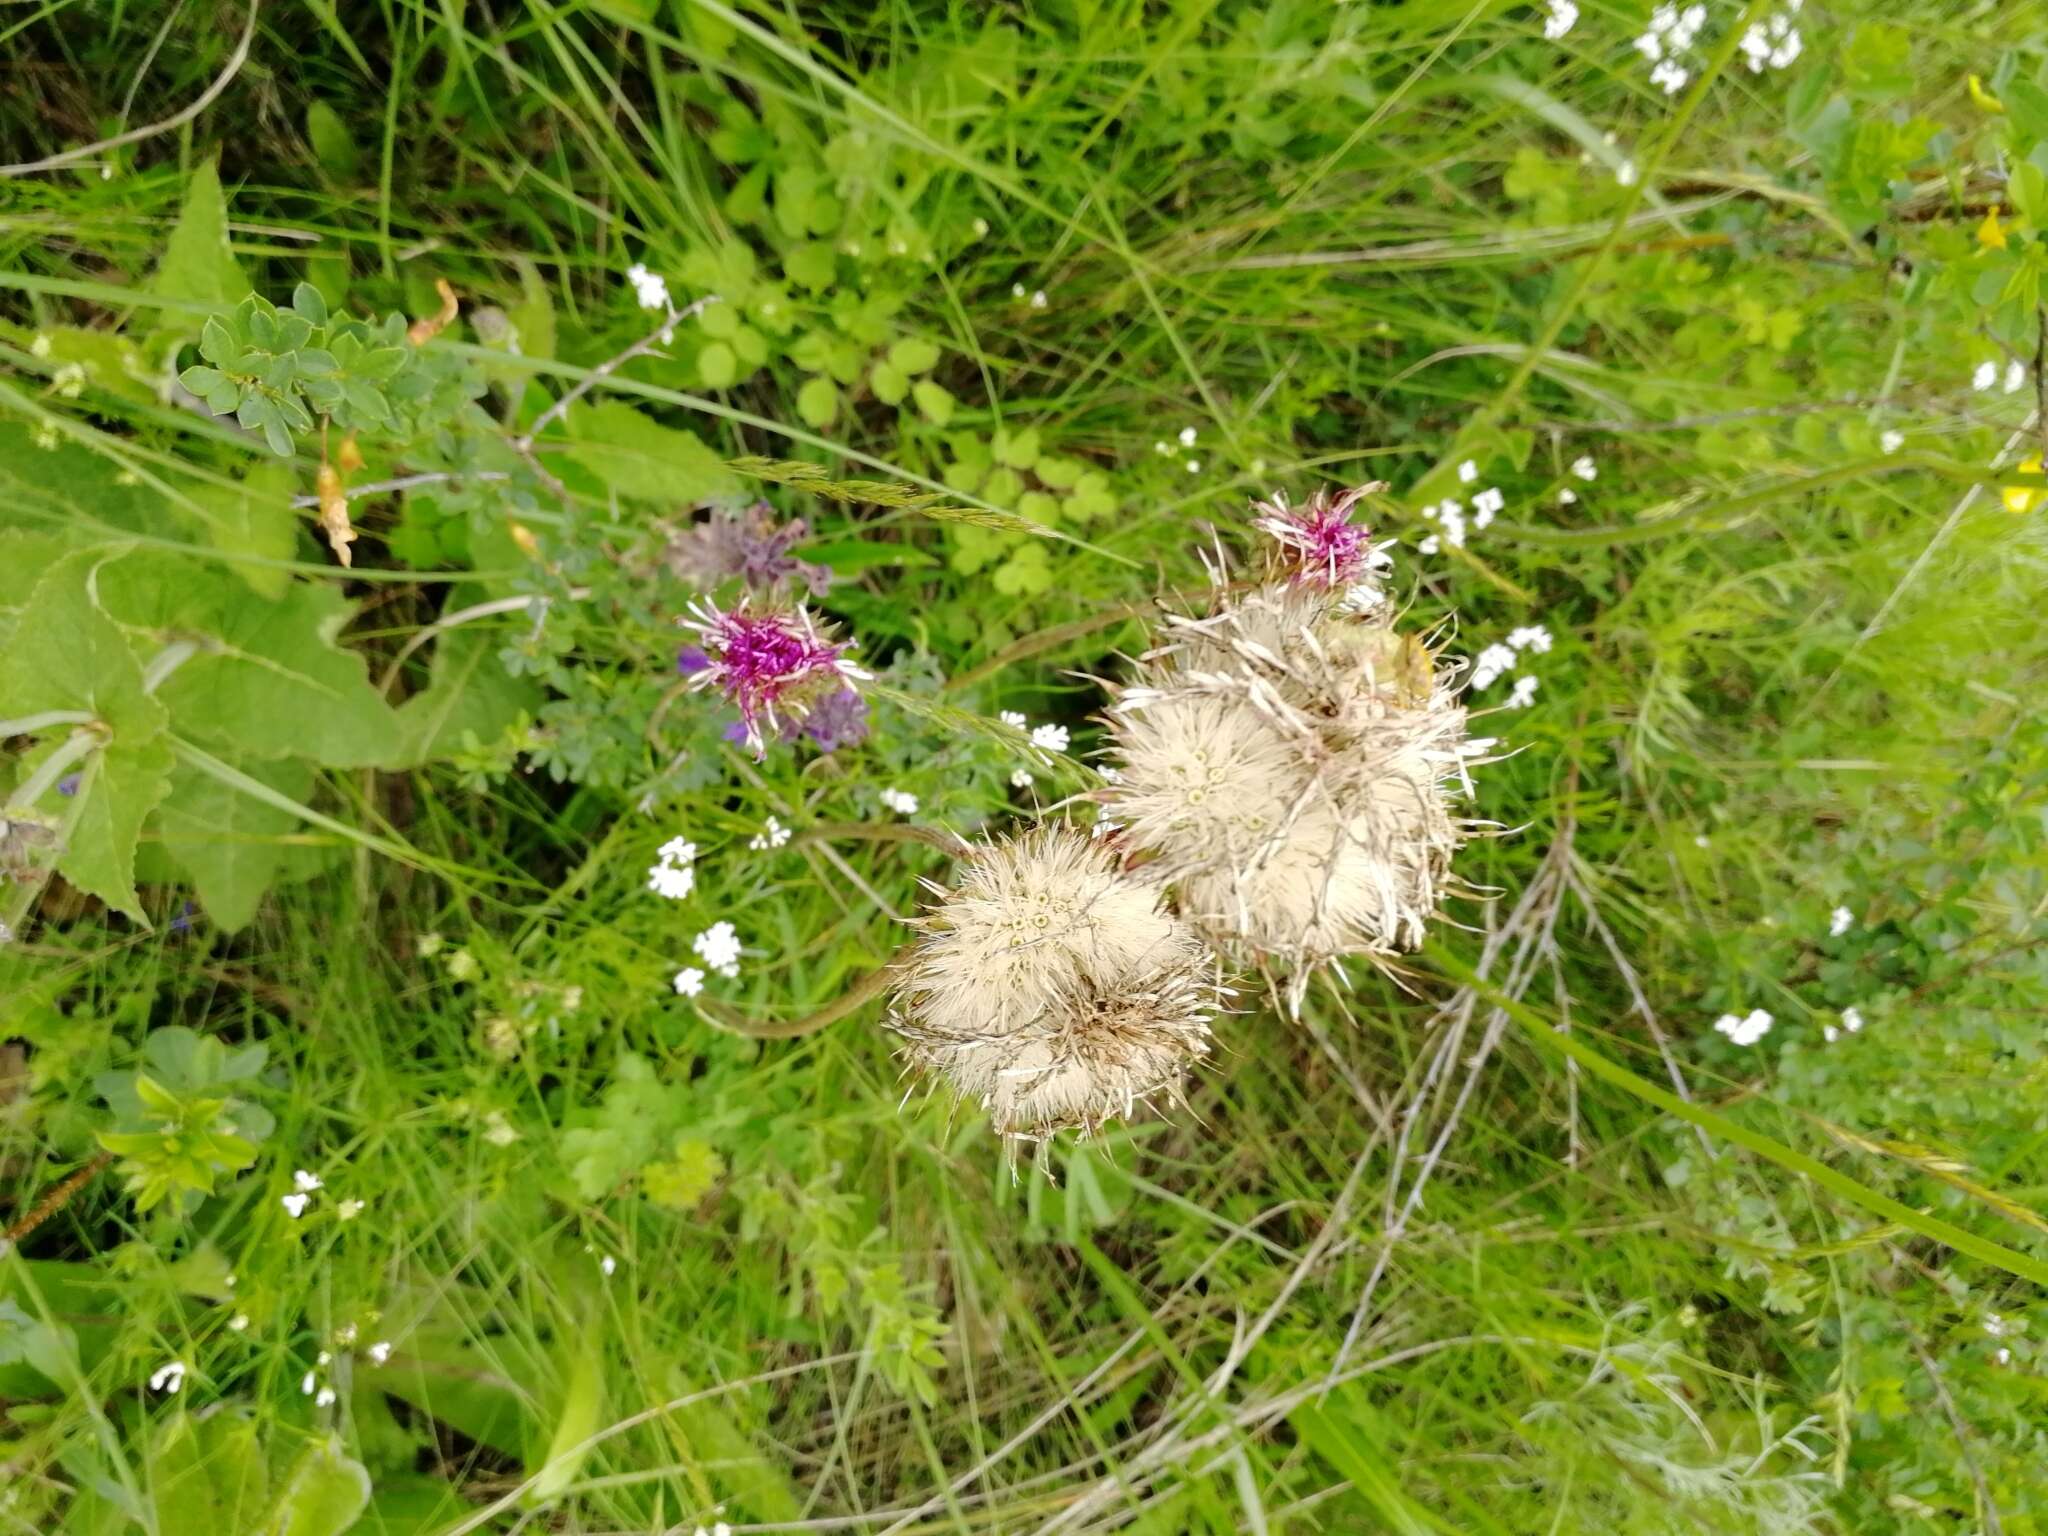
1055	988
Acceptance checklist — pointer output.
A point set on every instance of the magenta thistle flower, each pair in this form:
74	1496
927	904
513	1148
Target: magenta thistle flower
775	666
1319	544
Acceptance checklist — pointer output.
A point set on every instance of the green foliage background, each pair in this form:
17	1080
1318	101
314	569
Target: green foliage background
351	880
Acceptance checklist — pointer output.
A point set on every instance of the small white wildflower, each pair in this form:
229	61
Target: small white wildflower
349	1210
1788	49
1187	437
380	1352
2015	376
1162	447
324	1398
689	981
308	1384
980	227
2001	1355
294	1205
1840	921
1892	442
238	1323
1852	1020
1584	467
650	289
325	1357
1491	664
902	802
1671	75
1523	694
674	881
1038	299
1530	637
1985	376
1022	779
1467	472
345	1335
167	1377
1625	173
1563	16
1567	497
46	435
305	1183
1994	1325
1746	1030
1650	46
1014	718
678	850
1016	290
499	1131
607	1266
1428	546
718	947
1050	738
1193	466
40	346
1829	1033
772	835
1485	504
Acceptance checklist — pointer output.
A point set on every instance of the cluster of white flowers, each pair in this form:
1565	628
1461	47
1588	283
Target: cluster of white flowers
772	835
304	1186
721	1528
1022	779
1560	16
1449	514
650	289
1670	37
167	1377
689	981
1036	298
1498	659
901	801
1987	375
673	873
1892	441
1840	921
1852	1022
1049	738
718	947
1772	44
1746	1030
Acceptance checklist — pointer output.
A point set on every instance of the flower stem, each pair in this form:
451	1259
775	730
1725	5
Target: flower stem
28	725
52	768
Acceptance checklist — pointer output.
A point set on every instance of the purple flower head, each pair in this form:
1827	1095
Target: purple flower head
749	545
1319	544
775	666
837	720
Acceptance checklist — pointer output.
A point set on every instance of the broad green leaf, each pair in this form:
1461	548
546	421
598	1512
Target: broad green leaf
716	365
208	1475
333	145
888	383
638	457
468	692
914	354
323	1495
230	845
64	485
198	264
252	518
109	360
935	400
576	1421
269	680
65	653
818	403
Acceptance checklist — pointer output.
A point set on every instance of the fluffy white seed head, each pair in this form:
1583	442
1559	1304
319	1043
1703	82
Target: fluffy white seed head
1289	765
1054	988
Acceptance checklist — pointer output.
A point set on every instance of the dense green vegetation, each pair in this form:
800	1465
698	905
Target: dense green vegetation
369	1169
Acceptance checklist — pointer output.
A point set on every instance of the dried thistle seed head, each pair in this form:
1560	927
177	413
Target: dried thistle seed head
1054	988
1332	745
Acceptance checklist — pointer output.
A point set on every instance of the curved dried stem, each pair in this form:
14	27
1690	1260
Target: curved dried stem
880	832
851	1001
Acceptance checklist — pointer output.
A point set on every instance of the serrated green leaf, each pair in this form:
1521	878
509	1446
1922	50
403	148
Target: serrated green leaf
230	845
118	789
638	457
198	263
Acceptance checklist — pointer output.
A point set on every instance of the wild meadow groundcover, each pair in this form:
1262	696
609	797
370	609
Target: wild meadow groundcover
1093	766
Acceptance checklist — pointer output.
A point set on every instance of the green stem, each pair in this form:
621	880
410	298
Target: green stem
52	768
28	725
167	661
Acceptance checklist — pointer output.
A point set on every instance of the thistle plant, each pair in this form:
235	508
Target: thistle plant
1055	987
1288	762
